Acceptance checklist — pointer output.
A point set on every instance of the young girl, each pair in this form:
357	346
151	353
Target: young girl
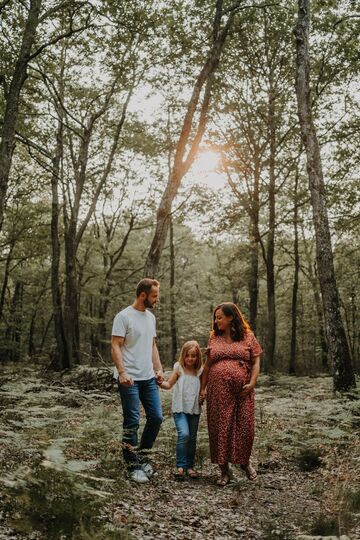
185	405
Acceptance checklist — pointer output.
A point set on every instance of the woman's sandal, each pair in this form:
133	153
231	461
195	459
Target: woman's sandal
249	471
223	481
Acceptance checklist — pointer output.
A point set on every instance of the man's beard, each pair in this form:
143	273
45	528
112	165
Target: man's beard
147	304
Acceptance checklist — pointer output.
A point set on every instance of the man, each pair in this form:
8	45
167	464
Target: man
139	371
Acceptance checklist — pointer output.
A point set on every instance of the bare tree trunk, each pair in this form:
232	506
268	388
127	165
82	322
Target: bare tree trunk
253	277
292	366
71	312
253	283
45	333
7	143
270	273
31	336
61	358
13	332
354	319
344	377
312	276
183	162
6	278
173	332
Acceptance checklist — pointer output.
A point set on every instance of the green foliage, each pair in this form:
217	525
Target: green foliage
52	503
309	459
160	48
325	525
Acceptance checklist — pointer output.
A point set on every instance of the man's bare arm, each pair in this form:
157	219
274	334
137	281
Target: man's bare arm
159	374
116	344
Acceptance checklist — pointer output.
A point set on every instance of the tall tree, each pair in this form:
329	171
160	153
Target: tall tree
294	300
187	146
173	330
27	52
344	377
260	137
12	97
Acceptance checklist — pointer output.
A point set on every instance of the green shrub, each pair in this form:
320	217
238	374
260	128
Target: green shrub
325	526
309	459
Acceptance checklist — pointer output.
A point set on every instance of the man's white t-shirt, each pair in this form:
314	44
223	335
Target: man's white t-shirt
139	329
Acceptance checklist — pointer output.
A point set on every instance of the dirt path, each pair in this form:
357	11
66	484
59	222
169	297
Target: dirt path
62	477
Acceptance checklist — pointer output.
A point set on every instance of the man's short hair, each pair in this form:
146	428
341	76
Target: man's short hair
145	285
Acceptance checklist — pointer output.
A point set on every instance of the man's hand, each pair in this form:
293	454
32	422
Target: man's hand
159	375
246	389
125	379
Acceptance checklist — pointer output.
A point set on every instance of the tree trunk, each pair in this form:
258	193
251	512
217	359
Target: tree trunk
344	377
253	277
45	333
71	308
183	162
173	332
253	283
13	332
270	273
322	336
6	278
292	366
7	143
61	358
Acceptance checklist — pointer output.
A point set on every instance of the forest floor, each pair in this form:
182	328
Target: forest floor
62	476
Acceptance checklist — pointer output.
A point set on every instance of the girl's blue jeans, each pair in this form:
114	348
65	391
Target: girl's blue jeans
186	427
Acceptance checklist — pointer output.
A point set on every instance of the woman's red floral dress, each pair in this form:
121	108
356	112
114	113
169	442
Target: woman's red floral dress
231	420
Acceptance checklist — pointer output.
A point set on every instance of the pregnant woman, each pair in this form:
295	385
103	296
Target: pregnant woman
228	382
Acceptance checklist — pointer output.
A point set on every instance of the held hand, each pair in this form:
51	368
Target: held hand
125	379
202	396
159	375
246	390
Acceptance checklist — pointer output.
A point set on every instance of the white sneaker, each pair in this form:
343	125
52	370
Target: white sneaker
148	470
139	476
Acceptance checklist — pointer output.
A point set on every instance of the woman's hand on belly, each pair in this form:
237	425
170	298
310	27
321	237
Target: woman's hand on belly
246	390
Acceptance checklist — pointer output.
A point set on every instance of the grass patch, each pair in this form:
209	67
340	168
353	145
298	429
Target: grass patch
353	500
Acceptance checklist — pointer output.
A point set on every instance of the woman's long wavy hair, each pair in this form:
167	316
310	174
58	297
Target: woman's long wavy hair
239	325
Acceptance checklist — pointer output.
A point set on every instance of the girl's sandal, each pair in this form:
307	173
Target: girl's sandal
250	472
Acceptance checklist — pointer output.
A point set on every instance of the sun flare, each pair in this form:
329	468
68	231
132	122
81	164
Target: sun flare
206	169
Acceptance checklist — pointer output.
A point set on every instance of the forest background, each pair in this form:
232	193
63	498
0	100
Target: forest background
212	145
99	96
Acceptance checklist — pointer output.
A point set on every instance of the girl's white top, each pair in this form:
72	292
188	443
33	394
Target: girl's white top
186	392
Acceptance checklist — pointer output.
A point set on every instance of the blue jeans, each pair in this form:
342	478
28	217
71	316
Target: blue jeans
186	427
146	393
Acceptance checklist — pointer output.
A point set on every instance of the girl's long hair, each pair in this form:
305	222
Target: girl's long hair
239	325
184	351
